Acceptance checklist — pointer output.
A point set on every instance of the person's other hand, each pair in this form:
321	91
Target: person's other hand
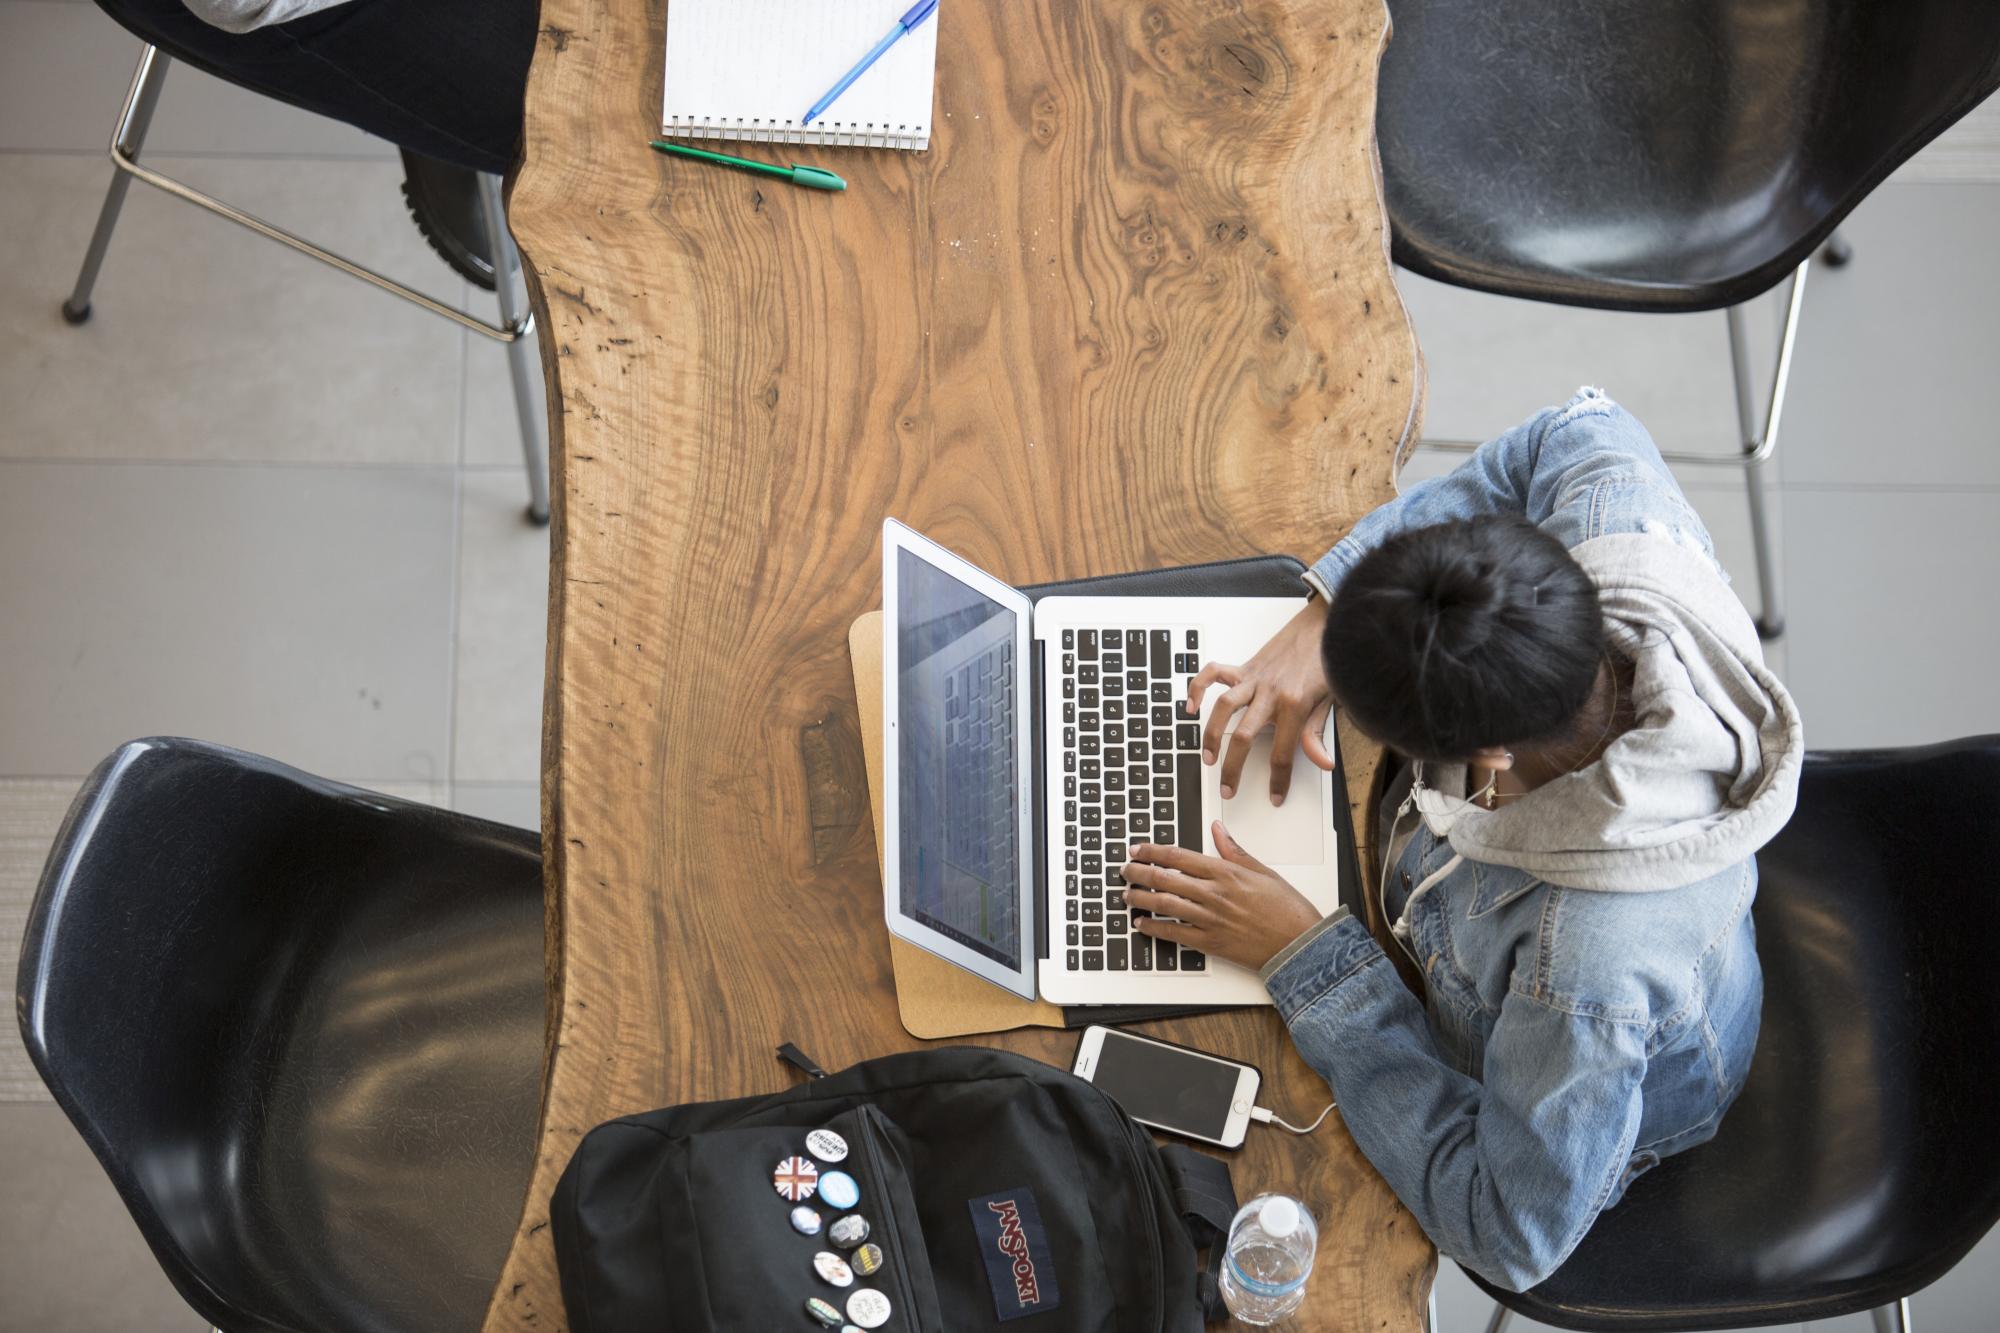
1231	906
1282	687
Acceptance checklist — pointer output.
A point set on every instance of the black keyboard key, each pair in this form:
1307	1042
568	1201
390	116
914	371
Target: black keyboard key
1070	934
1114	901
1069	662
1086	642
1114	755
1137	773
1089	769
1093	911
1190	802
1193	640
1163	787
1114	806
1163	715
1086	698
1069	738
1092	818
1116	925
1093	960
1093	840
1069	885
1114	956
1163	739
1192	961
1069	762
1086	722
1114	854
1135	644
1114	779
1093	888
1183	664
1113	663
1093	865
1163	956
1088	745
1086	674
1114	733
1114	829
1069	713
1069	860
1089	792
1069	688
1108	639
1142	954
1069	638
1069	840
1069	910
1069	812
1114	709
1162	692
1069	784
1160	645
1071	957
1093	937
1136	682
1188	736
1163	812
1163	762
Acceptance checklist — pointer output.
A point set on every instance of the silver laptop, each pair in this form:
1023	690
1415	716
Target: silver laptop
1028	745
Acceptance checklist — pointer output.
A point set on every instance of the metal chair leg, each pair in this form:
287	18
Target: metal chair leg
1501	1314
1892	1318
521	364
134	118
1760	445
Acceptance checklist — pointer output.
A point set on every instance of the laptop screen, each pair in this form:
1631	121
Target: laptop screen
959	853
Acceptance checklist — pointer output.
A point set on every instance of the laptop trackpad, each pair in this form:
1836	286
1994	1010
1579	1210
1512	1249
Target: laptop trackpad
1288	834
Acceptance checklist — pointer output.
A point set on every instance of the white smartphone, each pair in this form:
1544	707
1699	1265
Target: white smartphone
1174	1088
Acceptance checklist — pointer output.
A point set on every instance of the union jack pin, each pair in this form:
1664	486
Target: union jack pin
796	1178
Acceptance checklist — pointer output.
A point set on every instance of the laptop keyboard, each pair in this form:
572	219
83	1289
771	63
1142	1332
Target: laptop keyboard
1131	773
980	835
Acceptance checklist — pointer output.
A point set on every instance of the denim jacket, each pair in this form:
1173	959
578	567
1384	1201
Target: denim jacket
1591	986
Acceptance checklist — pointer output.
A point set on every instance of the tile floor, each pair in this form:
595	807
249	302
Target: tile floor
253	502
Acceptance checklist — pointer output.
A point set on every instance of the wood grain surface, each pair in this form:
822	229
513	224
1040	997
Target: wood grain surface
1132	308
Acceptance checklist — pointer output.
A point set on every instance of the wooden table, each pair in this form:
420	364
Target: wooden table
1132	308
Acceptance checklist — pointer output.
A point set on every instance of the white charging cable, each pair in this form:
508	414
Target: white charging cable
1264	1115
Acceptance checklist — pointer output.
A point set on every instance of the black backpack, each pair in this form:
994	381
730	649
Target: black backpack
998	1188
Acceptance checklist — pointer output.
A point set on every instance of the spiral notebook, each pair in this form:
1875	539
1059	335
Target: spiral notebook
749	69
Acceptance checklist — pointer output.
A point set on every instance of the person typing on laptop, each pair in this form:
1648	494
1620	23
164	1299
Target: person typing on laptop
1596	752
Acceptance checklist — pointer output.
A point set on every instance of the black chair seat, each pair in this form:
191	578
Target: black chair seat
301	1026
1635	155
1858	1164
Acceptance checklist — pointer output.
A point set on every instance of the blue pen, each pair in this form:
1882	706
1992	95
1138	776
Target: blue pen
920	11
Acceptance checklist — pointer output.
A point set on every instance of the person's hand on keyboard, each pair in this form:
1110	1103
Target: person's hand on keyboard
1283	687
1230	906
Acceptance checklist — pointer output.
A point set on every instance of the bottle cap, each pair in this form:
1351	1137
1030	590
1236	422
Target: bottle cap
1279	1217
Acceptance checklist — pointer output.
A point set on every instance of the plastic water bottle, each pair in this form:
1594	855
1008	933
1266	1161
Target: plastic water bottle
1271	1245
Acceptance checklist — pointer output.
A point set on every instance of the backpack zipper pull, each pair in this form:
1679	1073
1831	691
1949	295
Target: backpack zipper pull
798	1059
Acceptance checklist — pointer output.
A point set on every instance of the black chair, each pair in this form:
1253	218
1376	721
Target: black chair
301	1026
1633	155
1858	1165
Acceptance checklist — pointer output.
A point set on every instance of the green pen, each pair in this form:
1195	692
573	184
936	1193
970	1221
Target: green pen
810	177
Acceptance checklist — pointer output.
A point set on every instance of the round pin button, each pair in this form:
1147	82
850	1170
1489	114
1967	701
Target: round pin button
827	1146
848	1232
868	1308
796	1178
805	1221
833	1269
837	1188
867	1260
823	1311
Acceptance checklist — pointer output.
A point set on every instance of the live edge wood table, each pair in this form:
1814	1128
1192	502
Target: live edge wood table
1132	308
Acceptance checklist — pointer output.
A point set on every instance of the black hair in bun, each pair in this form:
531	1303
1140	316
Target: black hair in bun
1460	635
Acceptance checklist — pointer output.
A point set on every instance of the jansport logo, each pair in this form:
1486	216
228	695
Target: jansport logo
1014	1245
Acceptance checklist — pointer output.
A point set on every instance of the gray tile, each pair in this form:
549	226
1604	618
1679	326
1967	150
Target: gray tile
1493	362
31	810
492	427
1892	629
299	613
516	803
503	611
210	343
1894	380
71	1258
64	70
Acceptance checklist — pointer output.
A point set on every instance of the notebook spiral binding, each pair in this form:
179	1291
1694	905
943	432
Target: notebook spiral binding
833	133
